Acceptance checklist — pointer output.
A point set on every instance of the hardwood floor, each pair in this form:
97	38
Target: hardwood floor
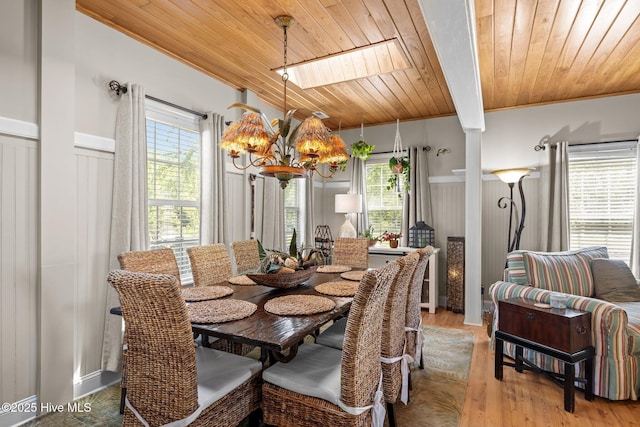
525	399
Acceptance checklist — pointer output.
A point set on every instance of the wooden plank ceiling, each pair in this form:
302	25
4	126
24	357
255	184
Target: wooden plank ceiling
531	51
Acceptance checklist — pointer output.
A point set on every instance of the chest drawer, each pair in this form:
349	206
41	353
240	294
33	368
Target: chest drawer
566	330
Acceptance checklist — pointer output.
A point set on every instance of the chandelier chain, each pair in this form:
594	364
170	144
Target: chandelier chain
285	74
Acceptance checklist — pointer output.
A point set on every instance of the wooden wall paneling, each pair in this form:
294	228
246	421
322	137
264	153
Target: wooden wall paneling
94	189
448	220
18	268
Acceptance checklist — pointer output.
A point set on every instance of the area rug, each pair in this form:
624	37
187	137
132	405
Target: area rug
438	392
437	396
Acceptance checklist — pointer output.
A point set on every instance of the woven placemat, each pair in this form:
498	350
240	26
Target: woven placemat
204	293
222	310
241	280
353	275
333	268
338	288
291	305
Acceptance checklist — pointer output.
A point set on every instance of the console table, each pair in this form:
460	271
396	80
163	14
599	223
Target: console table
563	334
380	255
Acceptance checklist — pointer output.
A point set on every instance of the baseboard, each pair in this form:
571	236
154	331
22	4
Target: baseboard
94	382
19	412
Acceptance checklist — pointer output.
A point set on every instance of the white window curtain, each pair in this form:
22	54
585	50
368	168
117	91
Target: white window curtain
635	242
214	222
129	221
417	202
358	185
309	222
554	221
272	215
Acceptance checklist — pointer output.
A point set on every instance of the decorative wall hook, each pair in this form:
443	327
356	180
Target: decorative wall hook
117	87
442	151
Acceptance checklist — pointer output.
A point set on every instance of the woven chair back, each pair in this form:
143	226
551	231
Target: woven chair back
210	264
154	261
393	323
157	321
351	252
414	298
361	370
246	255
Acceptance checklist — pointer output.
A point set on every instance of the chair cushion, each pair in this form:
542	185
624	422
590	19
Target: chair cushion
614	281
220	372
333	336
315	371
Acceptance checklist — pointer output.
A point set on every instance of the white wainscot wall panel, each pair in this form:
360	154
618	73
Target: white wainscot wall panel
18	267
94	195
447	201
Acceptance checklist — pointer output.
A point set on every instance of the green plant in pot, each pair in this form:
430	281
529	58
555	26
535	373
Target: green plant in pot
399	166
362	150
368	234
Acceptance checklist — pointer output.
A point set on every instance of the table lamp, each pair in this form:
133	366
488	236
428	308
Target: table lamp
348	204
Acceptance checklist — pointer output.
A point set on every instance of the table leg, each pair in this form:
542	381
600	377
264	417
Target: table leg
569	387
519	362
498	358
588	374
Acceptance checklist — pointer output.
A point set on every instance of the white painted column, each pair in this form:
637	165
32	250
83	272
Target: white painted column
473	228
57	294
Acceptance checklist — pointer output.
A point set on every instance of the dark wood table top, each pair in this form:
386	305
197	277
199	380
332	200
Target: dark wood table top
271	332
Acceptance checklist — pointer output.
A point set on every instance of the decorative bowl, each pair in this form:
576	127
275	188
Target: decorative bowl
284	280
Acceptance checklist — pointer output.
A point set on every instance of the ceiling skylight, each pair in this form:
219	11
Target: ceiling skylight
379	58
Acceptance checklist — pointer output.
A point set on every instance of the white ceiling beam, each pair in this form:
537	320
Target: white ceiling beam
451	25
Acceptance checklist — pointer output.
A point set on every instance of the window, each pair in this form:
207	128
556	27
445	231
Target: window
602	187
173	177
294	212
384	207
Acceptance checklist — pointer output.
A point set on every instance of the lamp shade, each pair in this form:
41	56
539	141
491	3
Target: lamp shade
348	203
511	175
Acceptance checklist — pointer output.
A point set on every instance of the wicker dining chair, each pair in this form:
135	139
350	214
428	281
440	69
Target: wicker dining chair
351	252
154	261
392	338
395	376
413	326
324	386
168	378
210	264
246	255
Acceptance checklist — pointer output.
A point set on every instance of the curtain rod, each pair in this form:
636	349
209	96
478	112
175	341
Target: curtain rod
424	148
540	145
118	89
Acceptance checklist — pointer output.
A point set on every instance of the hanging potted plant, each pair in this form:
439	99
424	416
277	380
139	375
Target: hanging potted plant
361	149
399	166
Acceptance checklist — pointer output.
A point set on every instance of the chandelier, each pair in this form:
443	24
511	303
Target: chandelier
277	148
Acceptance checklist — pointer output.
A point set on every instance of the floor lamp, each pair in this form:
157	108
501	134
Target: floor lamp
348	204
511	176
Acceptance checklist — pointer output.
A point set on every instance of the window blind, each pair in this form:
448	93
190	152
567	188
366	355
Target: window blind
602	187
384	207
173	177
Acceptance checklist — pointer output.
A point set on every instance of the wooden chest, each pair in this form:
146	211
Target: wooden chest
566	330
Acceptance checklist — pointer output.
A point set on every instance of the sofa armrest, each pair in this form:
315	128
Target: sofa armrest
609	333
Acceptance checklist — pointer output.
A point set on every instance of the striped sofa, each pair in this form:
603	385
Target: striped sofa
615	328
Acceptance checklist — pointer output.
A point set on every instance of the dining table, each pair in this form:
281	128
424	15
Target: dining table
277	336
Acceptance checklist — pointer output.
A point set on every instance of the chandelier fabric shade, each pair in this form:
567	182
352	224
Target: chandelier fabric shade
279	149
